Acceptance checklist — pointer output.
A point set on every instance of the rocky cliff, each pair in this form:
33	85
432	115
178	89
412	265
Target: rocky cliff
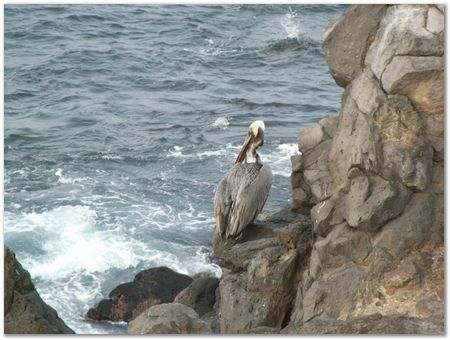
372	181
25	312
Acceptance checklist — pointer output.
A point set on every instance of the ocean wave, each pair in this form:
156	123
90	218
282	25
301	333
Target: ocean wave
67	180
280	159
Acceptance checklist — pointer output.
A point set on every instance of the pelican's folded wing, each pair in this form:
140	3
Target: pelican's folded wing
249	201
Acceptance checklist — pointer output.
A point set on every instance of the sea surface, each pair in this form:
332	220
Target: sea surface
120	120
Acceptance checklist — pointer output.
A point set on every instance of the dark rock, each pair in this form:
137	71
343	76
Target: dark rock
200	295
346	41
168	318
149	287
25	312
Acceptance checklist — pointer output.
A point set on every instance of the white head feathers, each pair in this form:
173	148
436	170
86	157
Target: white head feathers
256	125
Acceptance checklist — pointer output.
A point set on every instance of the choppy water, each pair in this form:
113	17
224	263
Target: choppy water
120	120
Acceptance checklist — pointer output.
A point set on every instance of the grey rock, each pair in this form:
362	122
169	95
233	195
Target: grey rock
310	137
24	310
168	318
406	71
346	41
406	152
435	20
408	230
263	330
402	32
343	245
329	125
200	295
260	277
334	294
321	215
372	201
355	144
366	92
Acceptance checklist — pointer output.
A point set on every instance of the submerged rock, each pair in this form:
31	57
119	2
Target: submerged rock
149	287
168	318
25	312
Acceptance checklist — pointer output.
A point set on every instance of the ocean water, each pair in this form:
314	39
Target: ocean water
120	120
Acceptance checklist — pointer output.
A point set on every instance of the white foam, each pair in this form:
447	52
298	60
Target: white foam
222	123
111	157
67	180
280	159
291	24
205	154
176	152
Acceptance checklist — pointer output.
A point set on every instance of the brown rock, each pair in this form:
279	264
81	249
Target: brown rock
370	324
25	312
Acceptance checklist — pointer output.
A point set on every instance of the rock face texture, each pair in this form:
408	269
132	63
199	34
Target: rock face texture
200	295
25	312
370	260
168	318
373	179
149	287
260	274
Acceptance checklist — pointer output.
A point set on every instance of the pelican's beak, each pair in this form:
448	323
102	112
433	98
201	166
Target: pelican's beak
244	148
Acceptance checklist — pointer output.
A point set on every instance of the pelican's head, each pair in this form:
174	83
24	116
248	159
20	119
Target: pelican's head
253	140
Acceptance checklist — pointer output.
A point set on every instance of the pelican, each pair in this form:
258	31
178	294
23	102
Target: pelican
242	193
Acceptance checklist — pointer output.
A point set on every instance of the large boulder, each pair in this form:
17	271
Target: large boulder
24	310
149	287
346	41
168	318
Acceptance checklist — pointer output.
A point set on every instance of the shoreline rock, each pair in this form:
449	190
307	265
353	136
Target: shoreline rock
149	287
24	310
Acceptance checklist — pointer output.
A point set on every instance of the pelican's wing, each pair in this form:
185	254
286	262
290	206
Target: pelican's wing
226	193
222	205
249	201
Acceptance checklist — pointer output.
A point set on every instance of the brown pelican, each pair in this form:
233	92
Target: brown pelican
241	194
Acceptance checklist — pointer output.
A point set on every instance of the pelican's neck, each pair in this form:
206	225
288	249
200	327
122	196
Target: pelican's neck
252	157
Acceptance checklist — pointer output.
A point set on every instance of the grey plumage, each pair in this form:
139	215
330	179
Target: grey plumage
240	197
